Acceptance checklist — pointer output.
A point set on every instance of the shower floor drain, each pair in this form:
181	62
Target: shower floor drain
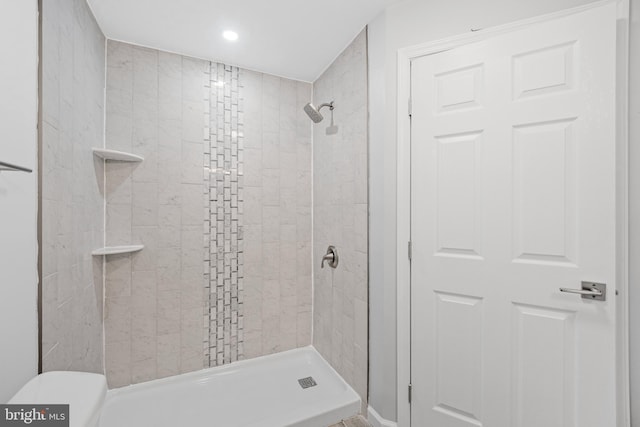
307	382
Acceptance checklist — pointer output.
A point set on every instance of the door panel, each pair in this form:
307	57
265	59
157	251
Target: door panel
544	71
545	203
459	89
458	201
459	378
543	359
512	197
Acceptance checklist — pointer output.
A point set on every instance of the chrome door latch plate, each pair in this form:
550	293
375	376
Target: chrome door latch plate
593	286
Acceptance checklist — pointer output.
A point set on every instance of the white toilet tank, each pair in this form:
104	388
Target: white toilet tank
84	392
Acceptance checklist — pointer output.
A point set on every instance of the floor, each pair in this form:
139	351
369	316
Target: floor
358	421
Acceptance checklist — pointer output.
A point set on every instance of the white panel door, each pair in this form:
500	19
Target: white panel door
512	197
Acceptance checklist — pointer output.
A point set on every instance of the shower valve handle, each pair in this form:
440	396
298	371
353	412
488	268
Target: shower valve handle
331	257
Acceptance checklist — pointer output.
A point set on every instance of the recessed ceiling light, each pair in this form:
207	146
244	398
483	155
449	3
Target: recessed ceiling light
219	83
230	35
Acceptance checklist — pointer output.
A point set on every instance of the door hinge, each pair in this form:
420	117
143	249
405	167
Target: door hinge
409	250
410	107
410	387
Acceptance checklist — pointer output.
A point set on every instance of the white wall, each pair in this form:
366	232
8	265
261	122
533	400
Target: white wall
405	24
18	195
382	236
634	207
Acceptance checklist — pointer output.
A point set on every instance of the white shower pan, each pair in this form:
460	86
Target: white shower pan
261	392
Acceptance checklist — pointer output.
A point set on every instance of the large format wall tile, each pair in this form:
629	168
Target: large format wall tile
341	216
154	298
277	214
72	190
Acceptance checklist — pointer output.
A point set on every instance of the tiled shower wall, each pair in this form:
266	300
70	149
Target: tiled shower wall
341	217
154	298
223	230
72	185
167	309
277	214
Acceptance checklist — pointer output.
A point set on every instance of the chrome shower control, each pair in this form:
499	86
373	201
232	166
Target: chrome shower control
331	256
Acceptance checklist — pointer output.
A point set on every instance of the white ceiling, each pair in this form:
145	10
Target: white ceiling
297	39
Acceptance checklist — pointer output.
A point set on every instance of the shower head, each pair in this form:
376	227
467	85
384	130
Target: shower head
314	113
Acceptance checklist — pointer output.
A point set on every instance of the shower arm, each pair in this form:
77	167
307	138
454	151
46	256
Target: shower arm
326	104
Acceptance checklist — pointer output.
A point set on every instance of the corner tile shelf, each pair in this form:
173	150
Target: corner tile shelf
119	156
114	250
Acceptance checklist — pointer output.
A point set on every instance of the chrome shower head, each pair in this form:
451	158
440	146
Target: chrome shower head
314	113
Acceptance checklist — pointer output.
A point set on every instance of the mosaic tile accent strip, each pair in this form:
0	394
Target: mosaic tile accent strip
223	233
